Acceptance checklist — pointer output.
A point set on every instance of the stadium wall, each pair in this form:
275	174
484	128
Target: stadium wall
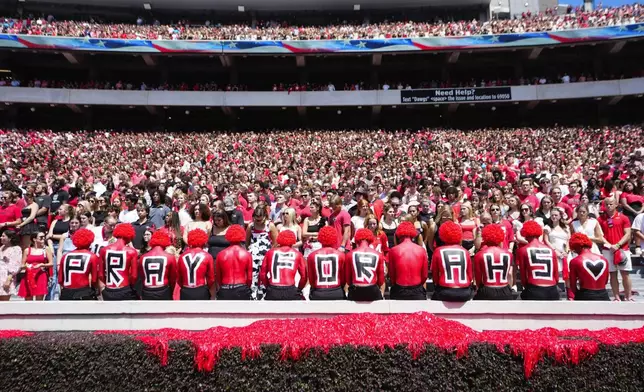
611	88
479	315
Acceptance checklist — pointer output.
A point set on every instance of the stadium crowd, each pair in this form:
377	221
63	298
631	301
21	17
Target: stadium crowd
550	20
293	87
279	201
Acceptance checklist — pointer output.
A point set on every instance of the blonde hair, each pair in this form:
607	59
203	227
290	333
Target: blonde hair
445	210
291	216
468	205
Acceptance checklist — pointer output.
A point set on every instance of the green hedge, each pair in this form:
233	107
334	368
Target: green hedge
111	363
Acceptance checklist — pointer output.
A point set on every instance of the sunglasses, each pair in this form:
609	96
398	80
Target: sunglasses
395	205
497	209
40	237
525	209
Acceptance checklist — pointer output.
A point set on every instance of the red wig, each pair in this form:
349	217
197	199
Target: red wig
450	233
160	238
124	231
406	230
328	237
235	234
83	238
364	235
492	235
531	229
579	242
197	238
286	238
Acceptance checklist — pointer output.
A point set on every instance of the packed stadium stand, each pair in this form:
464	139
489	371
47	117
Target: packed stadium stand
163	117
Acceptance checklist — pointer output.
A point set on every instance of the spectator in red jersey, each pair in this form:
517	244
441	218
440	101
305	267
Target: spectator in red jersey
78	275
504	224
538	266
588	272
380	240
408	266
493	269
617	235
558	202
526	195
451	266
326	268
196	269
36	260
279	270
234	268
365	271
573	198
158	269
10	215
118	270
340	220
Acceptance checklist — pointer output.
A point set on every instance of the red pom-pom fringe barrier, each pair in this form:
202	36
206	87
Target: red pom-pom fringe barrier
298	336
10	334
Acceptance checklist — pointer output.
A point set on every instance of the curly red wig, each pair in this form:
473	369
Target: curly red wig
406	230
124	231
160	238
364	235
450	233
531	229
328	237
286	238
235	234
197	238
83	238
492	235
579	242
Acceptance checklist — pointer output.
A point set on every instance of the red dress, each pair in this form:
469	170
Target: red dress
35	281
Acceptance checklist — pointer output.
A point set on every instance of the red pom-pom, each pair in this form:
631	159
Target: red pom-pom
579	242
531	229
124	231
235	234
160	238
286	238
328	237
83	238
492	235
450	233
406	230
364	235
197	238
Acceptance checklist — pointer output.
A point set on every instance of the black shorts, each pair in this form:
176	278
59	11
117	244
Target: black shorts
364	293
336	294
122	294
408	293
591	295
540	293
82	294
156	293
282	293
452	294
467	244
234	292
200	293
494	294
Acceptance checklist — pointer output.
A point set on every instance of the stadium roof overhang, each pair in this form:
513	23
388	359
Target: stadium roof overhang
273	5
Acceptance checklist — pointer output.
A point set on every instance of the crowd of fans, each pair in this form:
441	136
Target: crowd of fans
54	183
548	21
295	87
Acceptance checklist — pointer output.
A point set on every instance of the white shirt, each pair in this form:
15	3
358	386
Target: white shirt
128	216
331	87
565	79
385	87
638	224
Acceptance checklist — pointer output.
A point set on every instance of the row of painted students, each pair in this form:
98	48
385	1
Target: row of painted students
329	273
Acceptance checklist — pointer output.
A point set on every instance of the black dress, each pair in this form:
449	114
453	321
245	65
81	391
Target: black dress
31	227
217	243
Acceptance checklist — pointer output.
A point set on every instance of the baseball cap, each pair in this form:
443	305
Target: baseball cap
229	204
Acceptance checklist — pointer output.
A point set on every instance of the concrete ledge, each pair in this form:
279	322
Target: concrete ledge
480	315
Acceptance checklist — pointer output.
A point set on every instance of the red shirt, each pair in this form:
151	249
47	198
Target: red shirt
614	227
365	267
381	244
10	213
572	201
158	269
339	221
280	267
408	264
195	268
452	267
508	230
567	209
538	264
590	270
118	265
78	269
492	267
530	199
377	206
234	265
326	269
